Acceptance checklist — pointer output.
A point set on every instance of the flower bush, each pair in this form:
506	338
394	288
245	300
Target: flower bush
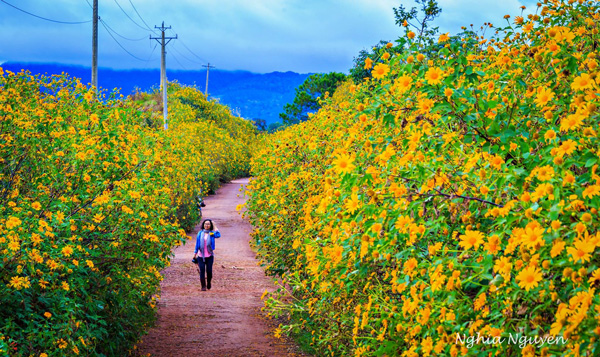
91	204
454	194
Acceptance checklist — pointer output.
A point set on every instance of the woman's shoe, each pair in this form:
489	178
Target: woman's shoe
208	286
203	289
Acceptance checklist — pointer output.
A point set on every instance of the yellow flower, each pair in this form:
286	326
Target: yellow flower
36	206
566	148
61	343
493	244
533	236
557	248
403	83
571	122
409	266
448	93
343	164
529	278
550	134
410	35
503	266
368	63
443	37
94	119
65	286
584	81
353	203
67	251
12	222
14	245
545	173
380	70
385	56
47	315
471	239
569	179
544	96
434	76
581	251
591	191
376	227
425	105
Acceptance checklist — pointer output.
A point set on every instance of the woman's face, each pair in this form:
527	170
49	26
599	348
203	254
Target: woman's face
207	225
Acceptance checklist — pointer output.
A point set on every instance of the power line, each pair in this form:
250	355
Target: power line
176	60
118	43
187	48
151	53
123	37
138	25
47	19
181	54
140	16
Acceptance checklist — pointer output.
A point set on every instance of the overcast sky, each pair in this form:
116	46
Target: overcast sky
262	36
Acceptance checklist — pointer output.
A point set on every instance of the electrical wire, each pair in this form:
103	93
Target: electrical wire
151	53
181	54
138	25
187	48
123	37
140	16
118	43
45	18
179	62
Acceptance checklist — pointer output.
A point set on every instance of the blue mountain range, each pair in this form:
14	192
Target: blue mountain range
249	95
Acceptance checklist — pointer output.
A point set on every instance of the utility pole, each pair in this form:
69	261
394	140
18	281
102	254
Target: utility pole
163	67
206	88
95	47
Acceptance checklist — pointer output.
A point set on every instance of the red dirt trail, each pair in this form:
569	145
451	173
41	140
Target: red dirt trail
226	320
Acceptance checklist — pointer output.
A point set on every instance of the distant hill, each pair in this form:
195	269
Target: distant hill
250	95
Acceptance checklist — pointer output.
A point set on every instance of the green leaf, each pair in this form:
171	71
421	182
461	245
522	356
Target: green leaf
591	162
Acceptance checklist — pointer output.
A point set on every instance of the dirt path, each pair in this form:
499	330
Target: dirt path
225	321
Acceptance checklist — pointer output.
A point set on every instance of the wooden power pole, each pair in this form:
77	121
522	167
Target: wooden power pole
206	88
95	47
163	67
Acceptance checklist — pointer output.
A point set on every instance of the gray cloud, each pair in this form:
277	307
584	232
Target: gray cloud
259	35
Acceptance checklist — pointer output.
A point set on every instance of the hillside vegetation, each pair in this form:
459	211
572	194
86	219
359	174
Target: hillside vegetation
453	194
93	196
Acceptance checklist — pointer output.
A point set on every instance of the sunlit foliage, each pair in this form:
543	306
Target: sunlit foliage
92	199
454	193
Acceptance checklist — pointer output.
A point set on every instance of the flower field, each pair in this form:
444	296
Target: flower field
94	194
453	194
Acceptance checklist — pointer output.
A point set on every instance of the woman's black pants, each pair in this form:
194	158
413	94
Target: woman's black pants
206	266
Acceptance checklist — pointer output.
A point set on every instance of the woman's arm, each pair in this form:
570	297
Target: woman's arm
197	243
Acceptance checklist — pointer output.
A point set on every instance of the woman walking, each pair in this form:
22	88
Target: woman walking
205	244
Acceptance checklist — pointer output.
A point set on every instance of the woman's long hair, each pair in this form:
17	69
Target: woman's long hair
212	228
